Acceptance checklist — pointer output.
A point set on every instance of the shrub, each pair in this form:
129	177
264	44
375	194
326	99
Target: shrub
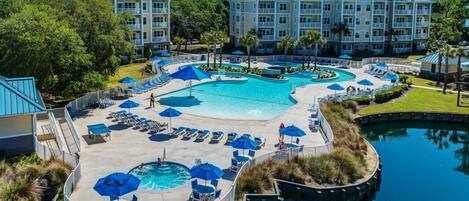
362	100
21	190
290	171
387	95
350	104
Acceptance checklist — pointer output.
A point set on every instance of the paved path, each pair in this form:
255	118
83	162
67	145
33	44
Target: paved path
439	89
129	147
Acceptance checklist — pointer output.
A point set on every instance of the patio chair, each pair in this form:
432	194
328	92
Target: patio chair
297	141
190	133
260	142
234	165
251	153
217	136
194	184
214	183
177	131
235	153
134	198
231	137
195	196
202	134
217	193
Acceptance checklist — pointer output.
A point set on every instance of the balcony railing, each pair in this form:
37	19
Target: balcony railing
159	10
160	24
403	12
266	24
160	39
378	25
266	10
134	27
423	11
137	42
422	24
311	11
347	38
267	37
378	12
377	38
401	50
402	24
403	37
310	25
378	51
283	11
349	11
134	11
420	36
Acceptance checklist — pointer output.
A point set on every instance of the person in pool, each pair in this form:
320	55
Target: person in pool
140	166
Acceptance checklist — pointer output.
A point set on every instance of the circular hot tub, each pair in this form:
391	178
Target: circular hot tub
155	176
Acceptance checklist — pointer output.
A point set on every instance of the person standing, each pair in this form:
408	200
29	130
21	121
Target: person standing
152	100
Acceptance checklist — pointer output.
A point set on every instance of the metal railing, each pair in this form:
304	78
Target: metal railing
72	182
72	128
54	125
311	11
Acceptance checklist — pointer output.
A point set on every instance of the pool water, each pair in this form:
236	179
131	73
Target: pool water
255	99
422	161
154	176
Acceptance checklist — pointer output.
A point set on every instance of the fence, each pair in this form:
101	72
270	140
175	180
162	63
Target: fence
72	182
46	153
57	131
73	130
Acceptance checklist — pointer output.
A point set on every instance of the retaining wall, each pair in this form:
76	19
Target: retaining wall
408	116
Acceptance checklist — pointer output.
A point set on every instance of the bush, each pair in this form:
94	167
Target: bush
362	100
387	95
350	104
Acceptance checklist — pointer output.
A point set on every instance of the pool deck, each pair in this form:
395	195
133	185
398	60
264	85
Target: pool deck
129	147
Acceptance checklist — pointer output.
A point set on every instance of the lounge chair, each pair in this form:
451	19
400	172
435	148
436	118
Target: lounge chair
190	133
203	134
177	131
214	183
116	114
231	136
247	135
217	136
148	124
260	142
251	153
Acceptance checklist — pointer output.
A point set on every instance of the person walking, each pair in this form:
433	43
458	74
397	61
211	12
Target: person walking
152	100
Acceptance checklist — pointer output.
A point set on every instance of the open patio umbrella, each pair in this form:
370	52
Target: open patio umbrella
238	52
170	112
382	65
129	104
345	56
206	171
336	87
116	184
154	58
165	54
190	73
292	131
365	82
243	142
127	80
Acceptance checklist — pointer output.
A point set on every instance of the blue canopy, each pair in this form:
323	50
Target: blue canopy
206	171
163	62
190	73
129	104
335	87
391	76
365	82
170	112
116	184
154	58
292	131
127	80
243	142
382	65
345	56
238	52
165	54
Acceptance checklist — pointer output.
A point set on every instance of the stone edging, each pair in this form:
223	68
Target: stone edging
420	116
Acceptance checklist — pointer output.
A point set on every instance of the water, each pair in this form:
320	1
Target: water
422	161
161	177
255	99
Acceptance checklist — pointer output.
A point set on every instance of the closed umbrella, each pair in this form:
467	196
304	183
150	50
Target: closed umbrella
116	184
170	112
190	73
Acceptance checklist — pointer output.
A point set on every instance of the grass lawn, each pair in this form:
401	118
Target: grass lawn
419	100
414	57
421	81
130	70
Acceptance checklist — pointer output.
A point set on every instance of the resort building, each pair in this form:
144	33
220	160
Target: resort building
374	25
150	23
429	65
20	102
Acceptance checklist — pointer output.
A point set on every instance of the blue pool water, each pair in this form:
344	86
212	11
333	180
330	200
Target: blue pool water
255	99
154	176
422	161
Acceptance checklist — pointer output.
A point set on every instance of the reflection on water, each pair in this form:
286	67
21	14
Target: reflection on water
422	161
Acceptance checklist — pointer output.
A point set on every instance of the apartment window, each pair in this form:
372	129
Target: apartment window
357	20
144	20
158	19
144	6
327	20
282	33
237	18
367	22
327	7
144	35
157	5
326	34
238	6
132	21
283	6
368	7
282	20
359	8
357	35
158	33
367	35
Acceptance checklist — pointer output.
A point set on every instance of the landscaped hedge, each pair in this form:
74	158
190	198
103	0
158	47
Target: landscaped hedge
362	100
387	95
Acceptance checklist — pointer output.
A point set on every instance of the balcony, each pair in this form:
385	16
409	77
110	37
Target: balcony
283	11
423	12
377	38
266	24
264	50
160	39
422	24
347	39
159	10
403	37
379	25
310	25
349	11
403	12
378	51
314	11
137	42
378	12
401	50
420	36
160	24
266	10
134	11
135	27
402	24
267	37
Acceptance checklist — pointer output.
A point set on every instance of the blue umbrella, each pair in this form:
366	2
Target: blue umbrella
391	76
382	65
170	112
206	171
165	54
336	87
116	184
190	73
154	58
238	52
345	56
129	104
243	142
365	82
163	62
127	80
292	131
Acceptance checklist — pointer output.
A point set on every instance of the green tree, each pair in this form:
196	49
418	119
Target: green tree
447	20
179	41
286	43
222	39
207	39
340	29
459	52
316	39
391	37
303	42
249	41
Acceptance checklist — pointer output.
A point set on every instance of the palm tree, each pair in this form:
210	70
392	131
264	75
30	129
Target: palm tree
179	41
437	46
286	43
206	38
249	41
447	52
222	39
303	43
459	52
316	39
340	29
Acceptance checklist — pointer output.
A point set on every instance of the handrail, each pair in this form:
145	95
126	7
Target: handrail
73	130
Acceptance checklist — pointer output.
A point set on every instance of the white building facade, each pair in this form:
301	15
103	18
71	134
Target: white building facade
369	21
150	22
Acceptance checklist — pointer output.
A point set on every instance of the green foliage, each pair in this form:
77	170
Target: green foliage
20	190
362	100
286	43
389	94
447	20
24	160
350	104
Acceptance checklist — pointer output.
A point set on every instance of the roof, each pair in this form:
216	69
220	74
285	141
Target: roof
433	58
19	96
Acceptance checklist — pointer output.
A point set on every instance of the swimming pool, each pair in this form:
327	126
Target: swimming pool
256	98
154	176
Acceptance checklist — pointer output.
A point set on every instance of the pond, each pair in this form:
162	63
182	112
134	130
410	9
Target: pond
422	160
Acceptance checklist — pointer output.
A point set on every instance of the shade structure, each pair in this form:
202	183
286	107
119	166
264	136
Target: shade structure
116	184
190	73
165	54
163	62
170	112
154	58
292	131
238	52
129	104
345	56
391	76
243	142
127	80
365	82
382	65
336	87
206	171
